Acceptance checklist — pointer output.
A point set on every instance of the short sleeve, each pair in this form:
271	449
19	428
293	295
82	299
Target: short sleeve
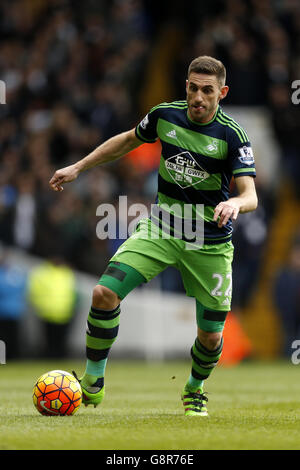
240	154
146	129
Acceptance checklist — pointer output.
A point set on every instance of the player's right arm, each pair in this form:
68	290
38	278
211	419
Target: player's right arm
110	150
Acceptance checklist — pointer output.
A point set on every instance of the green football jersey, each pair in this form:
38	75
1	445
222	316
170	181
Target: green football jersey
197	164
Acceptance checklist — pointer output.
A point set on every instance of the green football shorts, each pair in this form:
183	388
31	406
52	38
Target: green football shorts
206	272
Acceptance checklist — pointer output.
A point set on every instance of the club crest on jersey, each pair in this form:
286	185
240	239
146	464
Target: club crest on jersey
213	147
246	155
184	170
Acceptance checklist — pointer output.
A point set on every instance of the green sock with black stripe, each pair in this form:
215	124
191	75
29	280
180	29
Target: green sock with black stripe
203	363
102	331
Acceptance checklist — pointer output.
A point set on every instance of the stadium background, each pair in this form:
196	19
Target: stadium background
77	73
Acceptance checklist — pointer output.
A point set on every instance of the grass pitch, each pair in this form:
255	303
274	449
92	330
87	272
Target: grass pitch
251	406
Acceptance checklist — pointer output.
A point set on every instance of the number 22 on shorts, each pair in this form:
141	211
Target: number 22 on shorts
218	290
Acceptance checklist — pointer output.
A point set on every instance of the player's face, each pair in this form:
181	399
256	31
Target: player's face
203	95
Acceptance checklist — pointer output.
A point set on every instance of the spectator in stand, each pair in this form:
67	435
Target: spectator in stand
246	74
286	125
52	294
249	239
287	299
13	285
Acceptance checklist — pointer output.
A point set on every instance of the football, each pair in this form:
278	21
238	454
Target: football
57	393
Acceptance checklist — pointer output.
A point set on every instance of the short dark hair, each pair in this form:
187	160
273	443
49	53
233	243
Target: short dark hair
210	66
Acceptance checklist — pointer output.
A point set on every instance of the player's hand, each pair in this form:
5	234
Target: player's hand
65	175
226	210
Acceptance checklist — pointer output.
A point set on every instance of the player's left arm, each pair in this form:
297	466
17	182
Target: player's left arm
245	201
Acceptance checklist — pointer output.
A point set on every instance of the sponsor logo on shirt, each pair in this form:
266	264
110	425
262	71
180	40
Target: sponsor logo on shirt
184	170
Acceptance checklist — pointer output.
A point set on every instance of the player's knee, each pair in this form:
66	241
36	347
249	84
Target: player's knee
104	298
209	340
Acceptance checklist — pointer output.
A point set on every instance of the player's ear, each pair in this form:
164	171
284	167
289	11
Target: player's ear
186	85
223	92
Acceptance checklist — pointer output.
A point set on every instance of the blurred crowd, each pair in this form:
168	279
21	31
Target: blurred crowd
74	72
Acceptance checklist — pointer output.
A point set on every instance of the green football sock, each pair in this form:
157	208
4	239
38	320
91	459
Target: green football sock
204	361
93	371
193	384
102	331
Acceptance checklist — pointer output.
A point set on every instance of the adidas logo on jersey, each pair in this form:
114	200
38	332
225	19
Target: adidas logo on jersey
172	134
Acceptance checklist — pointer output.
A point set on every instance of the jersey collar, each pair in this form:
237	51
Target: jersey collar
203	123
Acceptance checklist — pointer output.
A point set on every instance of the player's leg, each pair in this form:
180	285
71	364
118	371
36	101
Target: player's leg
103	325
206	352
207	348
101	332
213	287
